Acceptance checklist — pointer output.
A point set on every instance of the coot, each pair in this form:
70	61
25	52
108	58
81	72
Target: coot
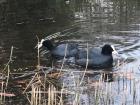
61	50
97	57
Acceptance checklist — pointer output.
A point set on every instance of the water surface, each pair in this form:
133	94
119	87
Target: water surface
97	22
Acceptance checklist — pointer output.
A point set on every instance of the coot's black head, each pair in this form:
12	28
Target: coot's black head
48	44
107	49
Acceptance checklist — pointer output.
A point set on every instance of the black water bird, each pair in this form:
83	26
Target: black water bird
61	50
96	57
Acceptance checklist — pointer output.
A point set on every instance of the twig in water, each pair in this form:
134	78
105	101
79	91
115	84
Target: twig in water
64	58
30	83
8	76
86	66
10	59
8	66
38	54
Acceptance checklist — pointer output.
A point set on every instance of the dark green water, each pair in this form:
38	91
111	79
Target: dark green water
115	22
21	21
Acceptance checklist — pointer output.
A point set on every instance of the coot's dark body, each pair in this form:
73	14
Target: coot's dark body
97	57
61	50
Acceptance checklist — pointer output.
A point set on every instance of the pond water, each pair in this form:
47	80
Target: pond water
97	22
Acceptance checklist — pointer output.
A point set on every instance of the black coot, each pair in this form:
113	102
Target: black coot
61	50
97	57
